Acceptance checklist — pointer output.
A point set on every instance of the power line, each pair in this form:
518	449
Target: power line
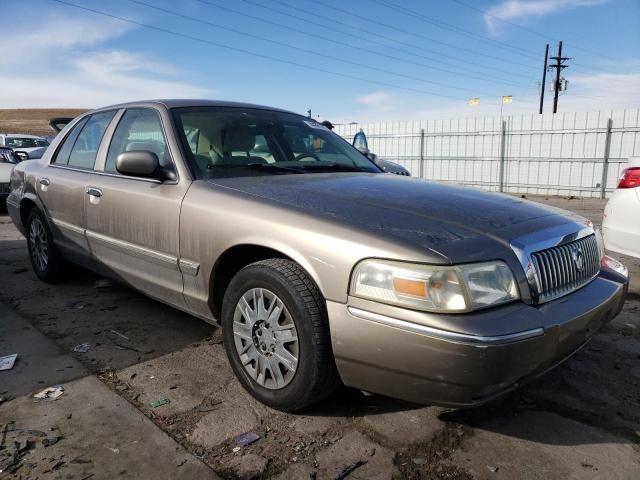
369	39
423	37
411	45
452	28
344	44
531	31
305	50
249	52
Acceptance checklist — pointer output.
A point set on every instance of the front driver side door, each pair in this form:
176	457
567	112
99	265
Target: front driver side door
132	222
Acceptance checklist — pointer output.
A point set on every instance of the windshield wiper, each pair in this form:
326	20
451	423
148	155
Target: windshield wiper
275	168
256	166
337	167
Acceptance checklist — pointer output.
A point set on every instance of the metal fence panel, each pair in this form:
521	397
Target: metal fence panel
563	154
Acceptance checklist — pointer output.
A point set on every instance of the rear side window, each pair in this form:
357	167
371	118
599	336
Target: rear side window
85	149
62	157
138	129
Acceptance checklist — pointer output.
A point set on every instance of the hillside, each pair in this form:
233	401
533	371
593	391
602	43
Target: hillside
34	121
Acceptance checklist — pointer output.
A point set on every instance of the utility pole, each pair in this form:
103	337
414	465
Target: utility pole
544	77
559	66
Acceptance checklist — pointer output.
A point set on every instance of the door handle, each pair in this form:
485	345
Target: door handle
94	192
45	182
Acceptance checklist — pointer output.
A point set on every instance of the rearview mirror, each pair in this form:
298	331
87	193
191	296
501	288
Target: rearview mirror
137	163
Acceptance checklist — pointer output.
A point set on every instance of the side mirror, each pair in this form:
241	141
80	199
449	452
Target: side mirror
137	163
21	156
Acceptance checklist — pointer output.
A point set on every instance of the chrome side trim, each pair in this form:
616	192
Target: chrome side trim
130	249
69	227
107	174
446	335
189	267
12	203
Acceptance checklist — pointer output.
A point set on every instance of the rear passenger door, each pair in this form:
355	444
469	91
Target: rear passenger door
61	187
133	222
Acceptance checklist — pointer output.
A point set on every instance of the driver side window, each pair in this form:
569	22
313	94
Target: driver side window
138	129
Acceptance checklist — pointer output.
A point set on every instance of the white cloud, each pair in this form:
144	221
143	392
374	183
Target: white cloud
380	101
57	33
515	10
69	66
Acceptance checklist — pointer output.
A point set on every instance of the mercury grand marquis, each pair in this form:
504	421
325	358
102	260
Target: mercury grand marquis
321	269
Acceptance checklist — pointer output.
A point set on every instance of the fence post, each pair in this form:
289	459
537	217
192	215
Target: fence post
503	138
421	153
605	160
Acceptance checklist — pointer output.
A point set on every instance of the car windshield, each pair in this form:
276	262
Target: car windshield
25	142
238	141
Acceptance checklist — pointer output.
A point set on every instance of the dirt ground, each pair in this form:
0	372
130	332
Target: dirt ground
581	420
33	121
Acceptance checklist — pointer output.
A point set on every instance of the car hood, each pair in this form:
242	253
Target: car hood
457	222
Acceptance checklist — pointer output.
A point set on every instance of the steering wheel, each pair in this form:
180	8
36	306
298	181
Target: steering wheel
306	154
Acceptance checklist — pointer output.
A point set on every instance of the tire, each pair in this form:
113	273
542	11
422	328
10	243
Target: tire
279	284
46	260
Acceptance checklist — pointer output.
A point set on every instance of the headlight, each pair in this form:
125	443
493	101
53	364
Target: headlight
434	288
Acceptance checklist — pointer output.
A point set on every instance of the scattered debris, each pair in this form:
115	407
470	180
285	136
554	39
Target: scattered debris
199	453
346	470
209	405
159	403
419	460
120	335
246	439
50	393
492	468
82	348
52	438
235	449
114	450
6	363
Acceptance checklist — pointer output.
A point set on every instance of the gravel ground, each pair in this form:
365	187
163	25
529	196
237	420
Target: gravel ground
581	420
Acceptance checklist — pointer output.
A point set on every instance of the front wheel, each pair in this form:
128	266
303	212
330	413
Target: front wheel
277	336
46	260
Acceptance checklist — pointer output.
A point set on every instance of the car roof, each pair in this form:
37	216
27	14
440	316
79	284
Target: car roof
19	135
180	103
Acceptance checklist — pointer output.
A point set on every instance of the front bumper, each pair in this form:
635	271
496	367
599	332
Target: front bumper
408	358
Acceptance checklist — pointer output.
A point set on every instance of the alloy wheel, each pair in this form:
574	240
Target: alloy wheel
39	244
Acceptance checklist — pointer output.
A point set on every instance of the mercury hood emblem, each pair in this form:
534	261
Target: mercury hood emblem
578	258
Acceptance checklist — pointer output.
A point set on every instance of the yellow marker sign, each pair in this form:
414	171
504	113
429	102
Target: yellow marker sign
507	99
474	101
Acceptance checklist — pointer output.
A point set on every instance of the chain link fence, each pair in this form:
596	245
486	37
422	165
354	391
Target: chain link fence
580	154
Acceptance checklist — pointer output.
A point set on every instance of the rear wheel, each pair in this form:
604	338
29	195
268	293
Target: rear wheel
277	335
46	260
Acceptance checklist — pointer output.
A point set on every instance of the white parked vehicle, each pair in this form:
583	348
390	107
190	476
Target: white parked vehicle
621	226
32	145
7	162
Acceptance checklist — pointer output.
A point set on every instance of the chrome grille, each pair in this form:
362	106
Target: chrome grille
565	268
5	188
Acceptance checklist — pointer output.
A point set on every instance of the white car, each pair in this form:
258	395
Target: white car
7	162
621	226
33	145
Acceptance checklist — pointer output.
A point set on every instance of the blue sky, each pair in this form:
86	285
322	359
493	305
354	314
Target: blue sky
356	60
